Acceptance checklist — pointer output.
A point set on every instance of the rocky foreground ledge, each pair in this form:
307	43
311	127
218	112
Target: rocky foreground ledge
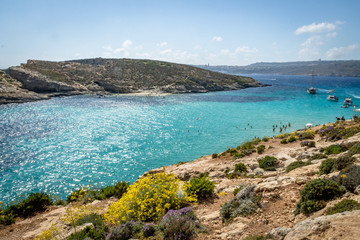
44	79
279	188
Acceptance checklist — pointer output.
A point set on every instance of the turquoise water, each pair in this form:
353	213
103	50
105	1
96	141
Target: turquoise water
63	143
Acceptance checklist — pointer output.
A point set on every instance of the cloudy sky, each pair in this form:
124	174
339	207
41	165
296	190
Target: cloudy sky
215	32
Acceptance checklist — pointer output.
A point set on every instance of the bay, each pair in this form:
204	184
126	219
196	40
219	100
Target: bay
61	144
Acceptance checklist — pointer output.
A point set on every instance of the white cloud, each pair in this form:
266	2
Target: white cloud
107	47
331	35
245	49
163	44
127	43
217	39
317	28
340	52
310	48
166	51
239	50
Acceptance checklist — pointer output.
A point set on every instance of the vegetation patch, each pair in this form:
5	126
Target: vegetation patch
260	149
35	202
240	170
333	149
327	166
350	177
318	156
297	164
343	206
201	187
315	194
149	198
268	163
334	133
180	224
244	203
309	144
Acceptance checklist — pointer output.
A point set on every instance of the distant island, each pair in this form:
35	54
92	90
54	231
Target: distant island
350	68
37	79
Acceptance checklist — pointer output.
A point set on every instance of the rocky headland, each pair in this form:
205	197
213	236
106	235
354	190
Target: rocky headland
301	157
44	79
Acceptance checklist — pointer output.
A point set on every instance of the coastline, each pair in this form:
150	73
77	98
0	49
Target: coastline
280	193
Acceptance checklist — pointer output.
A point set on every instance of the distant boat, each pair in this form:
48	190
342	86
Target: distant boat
332	98
312	90
347	102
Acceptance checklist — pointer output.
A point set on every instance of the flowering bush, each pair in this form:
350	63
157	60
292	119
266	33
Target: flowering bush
149	198
179	224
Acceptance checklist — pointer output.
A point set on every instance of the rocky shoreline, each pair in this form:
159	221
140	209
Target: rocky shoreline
39	80
280	191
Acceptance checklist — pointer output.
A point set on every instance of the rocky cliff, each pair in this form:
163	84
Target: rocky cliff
106	76
11	91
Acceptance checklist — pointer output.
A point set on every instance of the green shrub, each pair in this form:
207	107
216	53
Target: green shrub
238	189
35	202
232	151
260	149
344	205
180	224
247	145
265	139
292	138
314	195
333	149
247	152
327	166
243	204
7	219
201	187
350	177
306	135
343	162
117	190
318	156
268	163
240	167
125	231
297	164
238	155
354	150
100	229
284	141
214	155
310	144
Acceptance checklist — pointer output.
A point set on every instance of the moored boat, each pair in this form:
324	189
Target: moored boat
312	90
332	98
347	102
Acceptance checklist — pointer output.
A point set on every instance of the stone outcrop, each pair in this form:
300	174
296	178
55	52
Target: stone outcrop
11	91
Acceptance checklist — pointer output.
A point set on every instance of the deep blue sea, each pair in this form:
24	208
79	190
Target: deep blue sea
61	144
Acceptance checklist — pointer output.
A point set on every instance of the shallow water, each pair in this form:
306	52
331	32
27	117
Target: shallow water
63	143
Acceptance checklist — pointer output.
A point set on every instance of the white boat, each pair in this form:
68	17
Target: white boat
347	102
312	90
332	98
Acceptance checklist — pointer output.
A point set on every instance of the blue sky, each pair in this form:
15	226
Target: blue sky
218	32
